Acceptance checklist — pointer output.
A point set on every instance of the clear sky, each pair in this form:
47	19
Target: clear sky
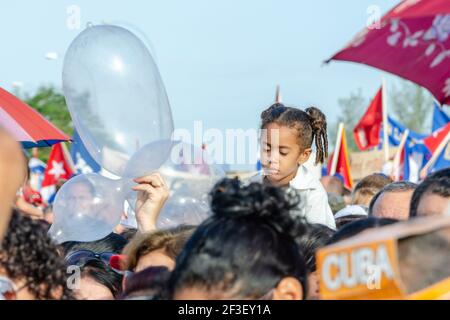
220	60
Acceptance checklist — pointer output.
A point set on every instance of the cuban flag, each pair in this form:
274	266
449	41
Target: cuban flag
417	155
83	162
442	161
395	133
37	169
59	167
440	118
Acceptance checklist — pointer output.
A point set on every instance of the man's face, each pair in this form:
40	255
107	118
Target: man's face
394	205
432	204
281	154
80	197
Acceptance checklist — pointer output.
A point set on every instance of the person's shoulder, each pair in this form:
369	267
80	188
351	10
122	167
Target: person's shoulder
306	180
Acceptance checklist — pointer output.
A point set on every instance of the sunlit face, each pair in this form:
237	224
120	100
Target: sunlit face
89	289
157	258
432	204
281	154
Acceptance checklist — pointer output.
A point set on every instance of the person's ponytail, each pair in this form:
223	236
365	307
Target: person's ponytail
319	126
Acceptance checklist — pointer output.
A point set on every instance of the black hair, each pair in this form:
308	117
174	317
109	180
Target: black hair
342	221
436	183
311	125
103	274
316	238
353	228
111	243
398	186
129	233
247	246
28	253
148	284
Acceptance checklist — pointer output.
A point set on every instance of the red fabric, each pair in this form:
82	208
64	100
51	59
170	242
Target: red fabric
58	167
413	8
433	140
32	196
24	122
412	42
343	163
367	131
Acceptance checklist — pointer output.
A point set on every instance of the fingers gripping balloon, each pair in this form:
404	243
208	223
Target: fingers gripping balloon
189	173
118	104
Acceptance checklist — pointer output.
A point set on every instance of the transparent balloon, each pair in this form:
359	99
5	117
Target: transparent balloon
87	208
115	95
189	173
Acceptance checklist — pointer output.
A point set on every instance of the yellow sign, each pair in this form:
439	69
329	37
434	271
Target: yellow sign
366	266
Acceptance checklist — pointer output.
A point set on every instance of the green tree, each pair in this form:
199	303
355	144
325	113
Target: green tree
351	110
411	105
50	103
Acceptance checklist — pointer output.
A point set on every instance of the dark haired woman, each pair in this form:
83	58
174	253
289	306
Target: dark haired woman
286	139
30	260
245	250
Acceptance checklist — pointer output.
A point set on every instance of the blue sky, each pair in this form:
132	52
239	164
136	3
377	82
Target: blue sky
220	60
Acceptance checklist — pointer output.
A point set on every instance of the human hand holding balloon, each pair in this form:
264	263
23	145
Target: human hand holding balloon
152	194
119	107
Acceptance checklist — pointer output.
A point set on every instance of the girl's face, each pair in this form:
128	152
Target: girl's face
281	154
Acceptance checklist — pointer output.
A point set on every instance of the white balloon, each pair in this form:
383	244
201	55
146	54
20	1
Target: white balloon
87	208
115	95
189	173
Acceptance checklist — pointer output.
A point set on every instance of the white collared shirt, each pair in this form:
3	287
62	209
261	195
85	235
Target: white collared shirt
313	198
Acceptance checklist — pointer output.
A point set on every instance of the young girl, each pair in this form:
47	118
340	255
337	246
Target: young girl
286	138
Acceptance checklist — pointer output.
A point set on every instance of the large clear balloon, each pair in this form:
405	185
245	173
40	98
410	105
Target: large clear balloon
87	208
115	95
189	173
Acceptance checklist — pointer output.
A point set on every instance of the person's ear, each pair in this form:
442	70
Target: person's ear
288	288
304	156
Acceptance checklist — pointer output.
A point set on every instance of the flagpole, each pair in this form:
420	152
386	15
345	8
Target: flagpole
278	95
336	148
385	120
68	157
398	155
436	154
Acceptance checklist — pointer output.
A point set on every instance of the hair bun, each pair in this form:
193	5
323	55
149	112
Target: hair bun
231	199
318	119
319	126
273	112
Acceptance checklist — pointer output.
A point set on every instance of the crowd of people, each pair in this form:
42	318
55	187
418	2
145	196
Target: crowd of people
260	241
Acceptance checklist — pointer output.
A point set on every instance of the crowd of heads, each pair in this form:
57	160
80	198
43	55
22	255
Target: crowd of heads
250	247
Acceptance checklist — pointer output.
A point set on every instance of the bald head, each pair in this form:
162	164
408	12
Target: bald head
393	201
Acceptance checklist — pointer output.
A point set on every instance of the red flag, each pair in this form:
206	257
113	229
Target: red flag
59	166
367	131
342	163
434	140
